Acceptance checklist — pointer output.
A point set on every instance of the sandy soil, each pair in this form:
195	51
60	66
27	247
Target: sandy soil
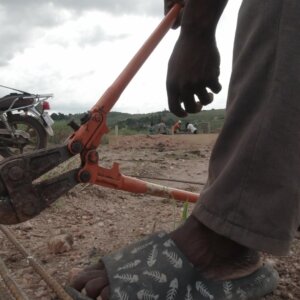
99	220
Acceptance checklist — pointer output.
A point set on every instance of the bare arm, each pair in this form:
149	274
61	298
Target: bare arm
202	14
194	64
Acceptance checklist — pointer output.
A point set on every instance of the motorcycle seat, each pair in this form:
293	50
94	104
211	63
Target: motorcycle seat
6	101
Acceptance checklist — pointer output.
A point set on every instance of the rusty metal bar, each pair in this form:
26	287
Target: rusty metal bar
167	179
56	287
134	185
89	134
4	294
11	284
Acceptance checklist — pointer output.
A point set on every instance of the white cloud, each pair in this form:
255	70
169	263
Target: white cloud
76	49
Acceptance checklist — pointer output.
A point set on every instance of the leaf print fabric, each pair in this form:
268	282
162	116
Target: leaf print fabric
156	275
203	290
130	265
173	289
173	258
152	256
155	269
146	295
121	295
127	277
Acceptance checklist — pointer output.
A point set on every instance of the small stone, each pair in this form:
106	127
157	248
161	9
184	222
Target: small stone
60	243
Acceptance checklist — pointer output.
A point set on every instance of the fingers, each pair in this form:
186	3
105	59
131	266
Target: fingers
214	86
168	5
190	103
105	293
204	96
174	102
187	97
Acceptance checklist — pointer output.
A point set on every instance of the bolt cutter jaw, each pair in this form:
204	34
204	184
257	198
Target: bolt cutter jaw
7	212
20	197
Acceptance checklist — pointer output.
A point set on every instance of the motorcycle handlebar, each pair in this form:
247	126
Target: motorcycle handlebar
39	95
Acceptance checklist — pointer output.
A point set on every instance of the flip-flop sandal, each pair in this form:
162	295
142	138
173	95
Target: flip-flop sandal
155	269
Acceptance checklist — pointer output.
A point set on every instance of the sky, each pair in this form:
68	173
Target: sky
76	49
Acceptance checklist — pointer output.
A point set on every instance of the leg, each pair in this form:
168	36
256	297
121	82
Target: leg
252	195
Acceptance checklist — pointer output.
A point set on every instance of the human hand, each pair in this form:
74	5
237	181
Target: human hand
194	67
168	4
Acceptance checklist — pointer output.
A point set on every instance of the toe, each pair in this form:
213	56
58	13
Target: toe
105	293
80	281
95	287
98	266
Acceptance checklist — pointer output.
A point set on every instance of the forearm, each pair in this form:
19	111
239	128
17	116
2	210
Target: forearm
202	16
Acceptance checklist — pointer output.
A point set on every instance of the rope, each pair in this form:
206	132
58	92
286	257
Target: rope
56	287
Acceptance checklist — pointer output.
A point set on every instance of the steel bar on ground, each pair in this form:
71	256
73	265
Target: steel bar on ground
4	294
10	283
168	179
56	287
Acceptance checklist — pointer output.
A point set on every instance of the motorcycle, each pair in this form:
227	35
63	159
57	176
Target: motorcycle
24	122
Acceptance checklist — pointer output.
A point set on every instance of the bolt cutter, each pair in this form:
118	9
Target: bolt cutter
23	195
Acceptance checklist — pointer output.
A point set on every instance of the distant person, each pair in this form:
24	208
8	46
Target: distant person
162	128
176	128
151	128
190	128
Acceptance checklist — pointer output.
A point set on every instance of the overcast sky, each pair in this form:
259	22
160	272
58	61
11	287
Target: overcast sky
76	49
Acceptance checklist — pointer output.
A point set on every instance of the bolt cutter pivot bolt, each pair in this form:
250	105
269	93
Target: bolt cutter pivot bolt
84	176
76	147
15	173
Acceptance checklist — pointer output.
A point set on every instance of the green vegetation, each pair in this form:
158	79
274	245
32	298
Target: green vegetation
129	124
185	215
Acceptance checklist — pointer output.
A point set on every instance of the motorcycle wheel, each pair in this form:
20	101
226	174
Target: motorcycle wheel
38	137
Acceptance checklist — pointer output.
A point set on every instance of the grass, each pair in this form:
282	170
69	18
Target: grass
185	209
62	132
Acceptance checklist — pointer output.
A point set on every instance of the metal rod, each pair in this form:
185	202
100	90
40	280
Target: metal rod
56	287
110	97
4	294
168	179
11	284
134	185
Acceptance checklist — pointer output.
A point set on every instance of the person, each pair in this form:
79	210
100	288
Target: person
190	128
250	203
161	128
176	128
151	128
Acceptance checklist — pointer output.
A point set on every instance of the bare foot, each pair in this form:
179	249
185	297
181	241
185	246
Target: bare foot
215	256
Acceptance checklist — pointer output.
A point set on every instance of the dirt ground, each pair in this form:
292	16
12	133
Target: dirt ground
99	220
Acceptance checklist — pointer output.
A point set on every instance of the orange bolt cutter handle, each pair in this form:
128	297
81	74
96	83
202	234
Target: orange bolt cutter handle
112	178
89	135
